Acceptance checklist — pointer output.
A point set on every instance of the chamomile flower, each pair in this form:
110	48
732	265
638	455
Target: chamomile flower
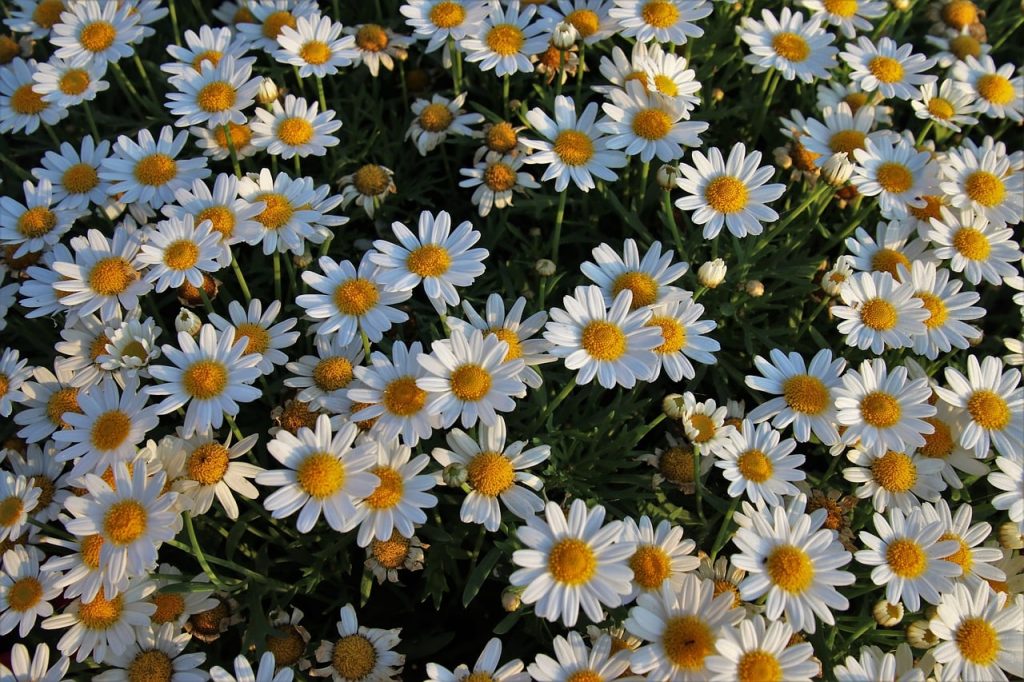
666	73
361	653
294	128
949	108
437	257
1009	477
798	49
435	118
105	275
704	424
377	46
895	172
648	125
842	132
984	179
214	141
264	21
324	473
316	46
74	174
148	171
495	472
878	666
368	186
895	479
287	219
386	557
878	312
572	563
849	16
972	558
211	472
660	557
662	21
38	668
759	463
575	661
950	309
649	278
974	246
156	654
208	46
996	91
757	650
177	607
25	591
213	376
35	17
908	558
397	502
100	32
729	192
505	38
573	147
892	245
14	370
979	633
496	178
590	18
47	398
22	109
262	336
83	340
37	224
894	70
228	214
266	671
68	83
325	377
178	250
130	346
438	20
994	405
351	301
215	94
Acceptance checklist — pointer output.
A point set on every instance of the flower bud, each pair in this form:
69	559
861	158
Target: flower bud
267	92
754	287
454	475
667	175
544	267
511	599
712	273
901	5
188	322
717	94
920	636
782	158
888	614
1010	536
837	169
564	36
672	405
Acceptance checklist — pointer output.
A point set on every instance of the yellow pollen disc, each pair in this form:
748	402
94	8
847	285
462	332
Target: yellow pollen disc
390	553
940	108
704	426
297	414
9	49
388	492
182	254
222	219
470	383
47	489
939	443
315	52
27	101
331	374
651	566
805	393
971	243
89	547
638	76
841	8
111	276
894	177
211	57
80	178
574	148
429	260
447	14
880	409
847	141
643	287
36	221
604	341
216	96
205	379
101	613
651	124
295	131
501	137
354	657
790	568
278	210
74	82
490	473
5	384
726	194
243	15
989	410
937	310
371	180
666	85
895	472
436	118
687	641
61	402
287	648
208	463
886	69
372	38
402	397
356	296
585	21
886	260
962	557
499	177
505	39
906	558
47	13
155	170
673	334
169	607
791	47
803	158
273	24
320	475
755	466
572	562
985	188
676	465
856	100
978	641
150	666
960	14
511	339
931	209
257	338
585	676
134	349
125	522
965	45
110	430
878	314
759	665
209	622
97	36
660	14
241	136
10	510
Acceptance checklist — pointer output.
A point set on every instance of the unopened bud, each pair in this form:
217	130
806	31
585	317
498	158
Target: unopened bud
454	475
717	94
712	273
901	5
888	614
188	322
782	158
544	267
754	287
268	92
564	36
920	636
511	599
672	405
837	169
667	175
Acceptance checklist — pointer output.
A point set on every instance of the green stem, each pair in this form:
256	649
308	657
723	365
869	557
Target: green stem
723	531
174	23
93	128
806	324
145	78
559	216
241	278
320	94
456	57
504	93
16	169
297	162
198	551
645	171
234	427
562	395
579	71
924	131
366	343
698	489
277	275
53	136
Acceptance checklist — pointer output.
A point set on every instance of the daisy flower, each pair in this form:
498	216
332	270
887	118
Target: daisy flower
81	339
994	405
849	16
210	472
179	250
385	557
1010	479
878	312
154	654
40	466
949	108
704	424
287	219
574	148
25	591
213	376
682	627
944	445
378	46
984	179
361	653
996	91
572	563
729	192
79	572
47	398
662	21
437	257
894	70
351	302
105	275
228	214
842	132
614	344
798	49
36	669
22	109
649	278
974	246
18	496
35	17
324	473
648	125
69	83
874	664
661	556
758	650
438	20
324	378
667	73
386	394
98	32
214	141
208	46
264	20
979	634
895	172
262	336
368	186
294	129
266	671
14	370
288	647
891	246
467	375
214	94
396	504
895	479
316	46
495	471
496	177
760	464
148	172
506	39
129	348
176	607
574	658
590	18
946	328
970	556
37	224
485	668
908	558
74	174
433	119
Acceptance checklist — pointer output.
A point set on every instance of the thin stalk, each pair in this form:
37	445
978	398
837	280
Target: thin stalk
561	72
504	94
53	136
93	128
297	162
670	218
197	551
145	78
320	94
924	132
698	490
559	216
456	58
645	171
366	342
241	278
560	398
723	531
579	71
174	23
277	275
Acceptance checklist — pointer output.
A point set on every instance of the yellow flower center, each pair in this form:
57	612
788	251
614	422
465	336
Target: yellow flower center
971	243
388	492
906	558
937	310
27	101
755	466
297	414
894	177
287	647
978	641
371	180
960	14
390	553
841	8
169	607
939	443
500	177
759	665
940	108
150	666
402	397
501	137
643	287
216	96
5	384
47	13
505	39
125	522
182	254
208	463
660	14
36	221
61	402
704	426
931	209
295	131
985	188
791	47
257	338
490	473
111	276
135	349
320	475
447	14
572	562
9	49
356	296
97	36
726	194
10	510
470	382
989	410
315	52
511	339
211	57
687	641
278	210
74	82
805	393
846	141
101	613
331	374
372	38
574	148
110	430
90	547
723	586
222	220
666	85
210	623
585	21
673	334
241	136
273	24
965	45
895	472
603	340
47	489
790	569
651	124
878	314
205	379
436	117
585	676
429	260
155	170
676	465
651	566
886	260
962	557
354	657
880	409
80	178
886	69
